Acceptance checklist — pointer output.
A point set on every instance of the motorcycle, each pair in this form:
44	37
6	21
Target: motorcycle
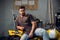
16	35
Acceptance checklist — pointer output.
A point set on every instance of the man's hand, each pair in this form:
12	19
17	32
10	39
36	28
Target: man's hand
20	27
30	35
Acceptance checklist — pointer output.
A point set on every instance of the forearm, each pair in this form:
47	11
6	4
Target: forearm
18	27
33	27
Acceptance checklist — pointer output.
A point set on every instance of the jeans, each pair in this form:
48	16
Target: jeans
39	32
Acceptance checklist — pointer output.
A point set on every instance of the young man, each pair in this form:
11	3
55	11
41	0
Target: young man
26	23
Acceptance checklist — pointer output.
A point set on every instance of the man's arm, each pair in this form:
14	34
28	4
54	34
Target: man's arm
33	28
20	27
17	25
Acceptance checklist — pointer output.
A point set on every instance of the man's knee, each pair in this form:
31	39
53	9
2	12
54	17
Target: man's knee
39	31
24	37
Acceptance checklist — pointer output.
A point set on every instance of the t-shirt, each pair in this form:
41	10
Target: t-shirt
25	22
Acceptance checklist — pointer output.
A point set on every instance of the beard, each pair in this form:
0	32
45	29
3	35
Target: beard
23	14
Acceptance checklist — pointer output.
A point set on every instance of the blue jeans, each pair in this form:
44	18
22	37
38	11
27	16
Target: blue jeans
39	32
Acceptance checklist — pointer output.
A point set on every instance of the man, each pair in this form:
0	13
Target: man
26	23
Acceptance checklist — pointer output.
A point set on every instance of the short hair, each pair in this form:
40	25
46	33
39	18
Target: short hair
21	7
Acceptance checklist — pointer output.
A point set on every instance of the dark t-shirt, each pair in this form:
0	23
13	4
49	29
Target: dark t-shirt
25	22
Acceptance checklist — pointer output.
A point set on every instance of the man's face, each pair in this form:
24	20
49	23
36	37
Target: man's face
21	11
